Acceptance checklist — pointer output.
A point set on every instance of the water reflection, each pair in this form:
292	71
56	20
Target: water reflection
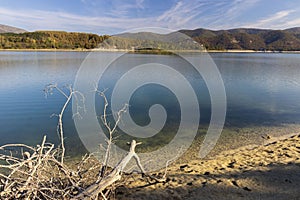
262	90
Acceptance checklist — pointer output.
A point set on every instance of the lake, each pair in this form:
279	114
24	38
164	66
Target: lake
262	89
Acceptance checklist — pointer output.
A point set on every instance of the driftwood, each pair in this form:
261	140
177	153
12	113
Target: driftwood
40	172
35	173
115	175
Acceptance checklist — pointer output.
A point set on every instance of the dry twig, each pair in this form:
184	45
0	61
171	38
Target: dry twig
40	172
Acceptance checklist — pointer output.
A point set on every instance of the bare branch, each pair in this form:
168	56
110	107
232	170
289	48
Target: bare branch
40	172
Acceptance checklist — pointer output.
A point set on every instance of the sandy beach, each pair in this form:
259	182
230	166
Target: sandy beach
268	171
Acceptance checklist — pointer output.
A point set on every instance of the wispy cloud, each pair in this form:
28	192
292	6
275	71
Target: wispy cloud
237	7
122	9
114	8
118	15
229	12
184	13
210	14
45	20
278	20
293	23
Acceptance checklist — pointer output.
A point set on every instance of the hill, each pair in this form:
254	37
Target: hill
232	39
10	29
247	39
237	39
149	40
50	40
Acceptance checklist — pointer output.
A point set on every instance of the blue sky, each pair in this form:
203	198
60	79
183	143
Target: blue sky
115	16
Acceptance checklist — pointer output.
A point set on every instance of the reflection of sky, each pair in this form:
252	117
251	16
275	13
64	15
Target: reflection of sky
28	69
260	88
268	82
25	112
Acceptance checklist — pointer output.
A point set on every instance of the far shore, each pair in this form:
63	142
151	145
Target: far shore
132	51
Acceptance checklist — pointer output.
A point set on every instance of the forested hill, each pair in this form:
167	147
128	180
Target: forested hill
239	39
247	39
50	40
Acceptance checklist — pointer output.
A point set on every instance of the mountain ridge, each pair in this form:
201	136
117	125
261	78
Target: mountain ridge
247	39
230	39
10	29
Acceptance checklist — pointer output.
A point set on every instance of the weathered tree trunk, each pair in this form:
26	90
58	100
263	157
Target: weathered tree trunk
115	175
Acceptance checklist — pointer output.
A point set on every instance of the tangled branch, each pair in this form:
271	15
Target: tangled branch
40	172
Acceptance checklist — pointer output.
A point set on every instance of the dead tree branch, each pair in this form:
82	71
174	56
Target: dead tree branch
111	131
37	172
72	94
115	175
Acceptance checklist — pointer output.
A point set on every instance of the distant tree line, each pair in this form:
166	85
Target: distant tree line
50	40
248	39
240	39
147	44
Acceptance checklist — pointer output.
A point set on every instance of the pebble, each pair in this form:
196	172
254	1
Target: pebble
189	183
183	166
247	189
235	183
206	173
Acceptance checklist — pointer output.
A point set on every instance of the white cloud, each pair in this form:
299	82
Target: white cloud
183	13
190	14
237	7
293	23
50	20
216	14
229	13
278	20
120	8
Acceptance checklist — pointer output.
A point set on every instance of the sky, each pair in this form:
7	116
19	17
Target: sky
116	16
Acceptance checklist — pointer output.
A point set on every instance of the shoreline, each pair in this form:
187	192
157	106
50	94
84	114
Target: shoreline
267	171
45	50
131	51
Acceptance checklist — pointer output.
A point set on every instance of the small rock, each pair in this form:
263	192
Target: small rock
266	137
287	155
247	189
183	166
288	181
231	165
235	183
269	151
206	173
189	183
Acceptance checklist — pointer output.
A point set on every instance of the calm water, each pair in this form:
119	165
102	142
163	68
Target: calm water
262	90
